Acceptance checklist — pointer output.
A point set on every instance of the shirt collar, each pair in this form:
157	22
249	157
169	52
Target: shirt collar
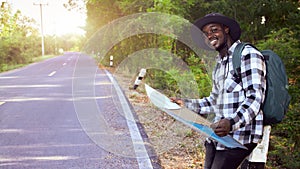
233	46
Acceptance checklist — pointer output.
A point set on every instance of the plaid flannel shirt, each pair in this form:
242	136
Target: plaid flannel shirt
237	97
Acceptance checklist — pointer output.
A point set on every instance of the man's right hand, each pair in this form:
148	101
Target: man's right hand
178	101
222	127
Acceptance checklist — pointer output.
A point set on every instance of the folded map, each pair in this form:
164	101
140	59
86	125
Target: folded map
189	118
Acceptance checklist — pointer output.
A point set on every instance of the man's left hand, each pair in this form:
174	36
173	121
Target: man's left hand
222	127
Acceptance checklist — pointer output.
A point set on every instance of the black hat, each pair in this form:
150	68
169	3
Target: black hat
234	27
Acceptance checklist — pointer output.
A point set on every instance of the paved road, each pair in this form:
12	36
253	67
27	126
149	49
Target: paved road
65	113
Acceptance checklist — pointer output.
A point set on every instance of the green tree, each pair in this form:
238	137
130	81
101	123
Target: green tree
99	13
18	37
250	14
285	144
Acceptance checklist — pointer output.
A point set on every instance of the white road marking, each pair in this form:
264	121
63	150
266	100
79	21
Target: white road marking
52	73
28	86
25	99
142	156
9	77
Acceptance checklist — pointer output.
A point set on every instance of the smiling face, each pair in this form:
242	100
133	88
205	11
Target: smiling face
216	34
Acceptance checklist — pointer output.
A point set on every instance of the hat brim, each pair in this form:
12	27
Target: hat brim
234	27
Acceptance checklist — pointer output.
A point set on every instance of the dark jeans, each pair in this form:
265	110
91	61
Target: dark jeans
252	165
225	159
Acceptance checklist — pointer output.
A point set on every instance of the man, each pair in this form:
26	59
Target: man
235	99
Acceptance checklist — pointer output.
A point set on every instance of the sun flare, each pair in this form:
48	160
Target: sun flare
57	20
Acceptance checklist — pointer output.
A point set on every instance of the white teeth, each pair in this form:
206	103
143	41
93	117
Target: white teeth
213	42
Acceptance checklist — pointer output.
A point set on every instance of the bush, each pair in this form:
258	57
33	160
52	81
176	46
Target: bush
285	139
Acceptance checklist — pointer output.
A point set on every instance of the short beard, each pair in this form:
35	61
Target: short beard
222	46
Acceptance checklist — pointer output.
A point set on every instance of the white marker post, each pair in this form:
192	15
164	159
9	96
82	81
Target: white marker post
139	78
111	58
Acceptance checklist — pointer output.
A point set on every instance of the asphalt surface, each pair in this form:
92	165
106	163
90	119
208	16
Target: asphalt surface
66	113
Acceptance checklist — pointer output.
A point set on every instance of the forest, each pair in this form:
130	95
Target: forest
268	24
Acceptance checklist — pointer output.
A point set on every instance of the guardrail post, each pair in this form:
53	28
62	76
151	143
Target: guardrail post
139	78
111	58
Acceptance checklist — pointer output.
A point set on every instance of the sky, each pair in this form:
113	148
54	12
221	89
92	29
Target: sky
57	20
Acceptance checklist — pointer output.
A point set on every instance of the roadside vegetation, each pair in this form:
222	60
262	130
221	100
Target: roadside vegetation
20	40
268	24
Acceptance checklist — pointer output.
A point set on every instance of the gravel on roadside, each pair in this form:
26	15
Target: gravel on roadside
176	145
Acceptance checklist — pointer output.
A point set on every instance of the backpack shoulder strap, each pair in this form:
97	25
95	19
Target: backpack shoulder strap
236	57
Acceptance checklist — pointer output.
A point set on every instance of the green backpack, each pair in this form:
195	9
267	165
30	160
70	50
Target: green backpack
277	97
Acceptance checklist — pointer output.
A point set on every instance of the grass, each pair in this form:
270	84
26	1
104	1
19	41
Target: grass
6	67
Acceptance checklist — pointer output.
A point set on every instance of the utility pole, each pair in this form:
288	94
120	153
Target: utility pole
42	29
